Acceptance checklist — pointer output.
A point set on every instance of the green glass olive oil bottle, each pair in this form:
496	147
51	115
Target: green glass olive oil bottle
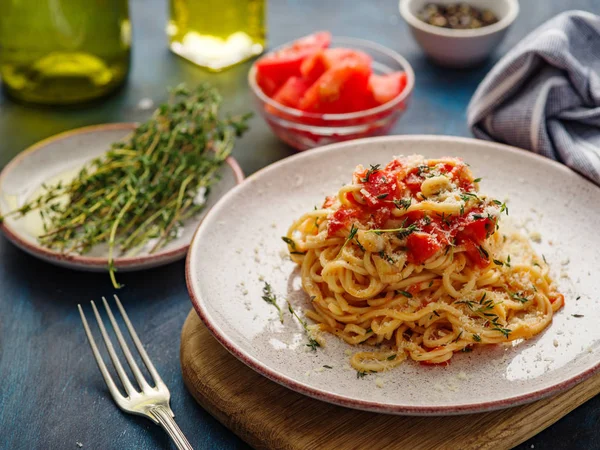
63	51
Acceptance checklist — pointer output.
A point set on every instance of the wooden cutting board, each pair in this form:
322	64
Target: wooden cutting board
269	416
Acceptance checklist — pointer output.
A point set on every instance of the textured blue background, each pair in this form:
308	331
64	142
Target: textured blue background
51	393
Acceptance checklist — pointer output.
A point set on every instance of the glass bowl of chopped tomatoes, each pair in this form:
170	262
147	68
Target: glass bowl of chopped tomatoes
320	89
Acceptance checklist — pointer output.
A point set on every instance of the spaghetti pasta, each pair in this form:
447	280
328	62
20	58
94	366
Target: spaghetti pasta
412	259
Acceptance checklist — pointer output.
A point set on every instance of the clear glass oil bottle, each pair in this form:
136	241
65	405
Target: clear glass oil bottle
63	51
217	34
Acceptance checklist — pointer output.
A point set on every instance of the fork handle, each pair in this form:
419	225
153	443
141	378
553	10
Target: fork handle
165	419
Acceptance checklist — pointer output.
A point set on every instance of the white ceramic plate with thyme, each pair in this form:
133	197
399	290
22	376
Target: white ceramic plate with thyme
61	157
238	247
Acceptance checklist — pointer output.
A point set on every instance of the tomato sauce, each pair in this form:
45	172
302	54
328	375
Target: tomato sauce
384	187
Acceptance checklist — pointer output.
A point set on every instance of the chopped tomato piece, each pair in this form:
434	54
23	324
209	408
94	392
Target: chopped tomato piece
421	246
477	229
381	216
381	186
329	201
291	92
413	182
340	219
474	253
313	67
317	64
273	70
387	87
341	89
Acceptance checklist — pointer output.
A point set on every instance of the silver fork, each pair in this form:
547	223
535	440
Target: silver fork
150	402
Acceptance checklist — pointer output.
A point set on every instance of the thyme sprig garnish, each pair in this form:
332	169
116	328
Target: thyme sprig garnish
353	231
312	342
139	193
292	244
403	203
482	309
401	232
372	170
518	296
269	297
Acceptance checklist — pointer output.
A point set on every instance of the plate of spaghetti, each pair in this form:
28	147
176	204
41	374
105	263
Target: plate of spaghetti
387	274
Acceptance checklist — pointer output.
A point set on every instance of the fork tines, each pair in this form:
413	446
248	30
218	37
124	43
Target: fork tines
127	385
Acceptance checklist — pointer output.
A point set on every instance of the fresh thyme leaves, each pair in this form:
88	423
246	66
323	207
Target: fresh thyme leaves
391	357
544	258
327	367
382	196
504	331
466	196
387	257
446	219
145	186
269	297
498	263
372	170
357	242
312	342
518	297
483	252
508	261
476	338
477	180
462	209
405	293
467	350
503	207
483	312
289	242
403	203
401	233
578	297
292	245
458	337
353	231
361	374
578	315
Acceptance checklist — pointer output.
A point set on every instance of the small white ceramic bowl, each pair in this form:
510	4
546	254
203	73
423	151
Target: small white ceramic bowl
460	48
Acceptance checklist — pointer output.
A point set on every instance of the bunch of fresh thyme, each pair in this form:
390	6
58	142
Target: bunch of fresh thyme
141	190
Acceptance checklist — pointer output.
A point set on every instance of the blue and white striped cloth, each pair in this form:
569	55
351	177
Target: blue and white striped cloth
544	94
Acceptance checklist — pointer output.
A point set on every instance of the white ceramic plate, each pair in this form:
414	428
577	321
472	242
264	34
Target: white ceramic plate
62	156
238	246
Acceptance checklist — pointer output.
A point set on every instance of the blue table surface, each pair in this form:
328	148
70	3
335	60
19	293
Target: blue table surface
51	392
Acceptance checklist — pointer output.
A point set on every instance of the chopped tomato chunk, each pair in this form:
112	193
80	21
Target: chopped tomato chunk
341	89
421	246
340	219
273	70
387	87
291	92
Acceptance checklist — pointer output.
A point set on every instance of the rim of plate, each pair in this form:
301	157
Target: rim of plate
92	261
343	400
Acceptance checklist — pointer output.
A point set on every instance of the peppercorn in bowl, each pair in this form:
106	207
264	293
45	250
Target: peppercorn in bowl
459	34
